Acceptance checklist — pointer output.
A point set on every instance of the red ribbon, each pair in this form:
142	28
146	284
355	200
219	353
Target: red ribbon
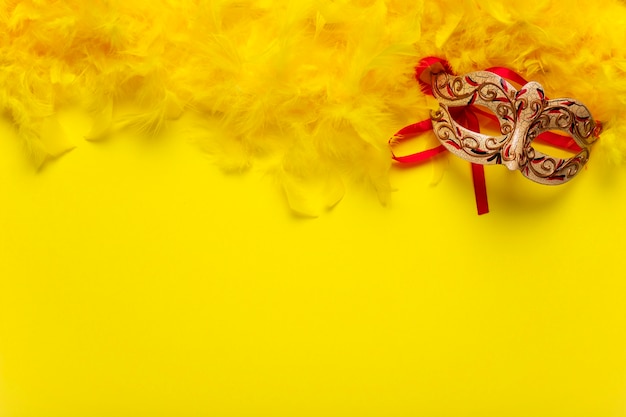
467	117
464	115
409	132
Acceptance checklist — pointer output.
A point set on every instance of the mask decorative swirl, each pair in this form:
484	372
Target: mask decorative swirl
523	115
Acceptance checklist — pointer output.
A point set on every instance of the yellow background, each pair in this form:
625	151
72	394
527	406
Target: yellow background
138	280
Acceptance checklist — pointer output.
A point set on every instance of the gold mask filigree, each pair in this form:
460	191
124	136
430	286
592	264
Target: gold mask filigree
522	114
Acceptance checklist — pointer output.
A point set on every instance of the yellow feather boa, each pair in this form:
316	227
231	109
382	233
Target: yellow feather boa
317	85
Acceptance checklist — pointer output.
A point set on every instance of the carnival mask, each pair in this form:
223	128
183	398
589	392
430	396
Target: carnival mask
523	115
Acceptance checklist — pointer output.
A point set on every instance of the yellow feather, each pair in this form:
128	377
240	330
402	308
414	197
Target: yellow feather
319	84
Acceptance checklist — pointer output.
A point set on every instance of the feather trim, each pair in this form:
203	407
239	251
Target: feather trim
319	84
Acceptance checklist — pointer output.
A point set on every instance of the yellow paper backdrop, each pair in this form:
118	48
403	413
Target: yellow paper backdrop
138	280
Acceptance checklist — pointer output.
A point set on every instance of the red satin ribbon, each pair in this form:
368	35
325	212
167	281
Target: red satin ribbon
508	74
467	117
464	115
410	132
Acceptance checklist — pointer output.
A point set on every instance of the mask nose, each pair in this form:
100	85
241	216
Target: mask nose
512	165
512	154
528	102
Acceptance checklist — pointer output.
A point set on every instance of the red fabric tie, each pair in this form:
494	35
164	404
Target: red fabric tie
467	117
410	132
464	115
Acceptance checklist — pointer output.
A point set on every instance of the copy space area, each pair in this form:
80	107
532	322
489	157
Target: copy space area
136	279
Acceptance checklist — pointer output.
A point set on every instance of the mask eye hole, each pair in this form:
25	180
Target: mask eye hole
478	116
556	144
